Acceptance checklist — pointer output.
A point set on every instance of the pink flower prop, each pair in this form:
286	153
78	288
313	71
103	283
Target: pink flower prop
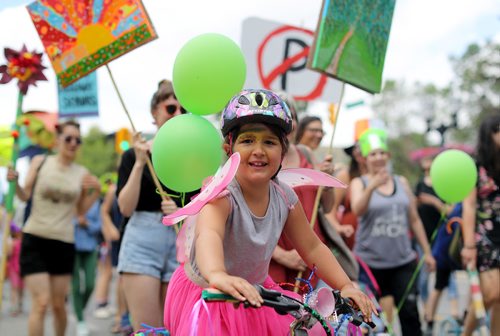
24	66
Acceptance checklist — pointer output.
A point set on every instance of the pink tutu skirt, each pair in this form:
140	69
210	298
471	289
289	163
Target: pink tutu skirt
224	318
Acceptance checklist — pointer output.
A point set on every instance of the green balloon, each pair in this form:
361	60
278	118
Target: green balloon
208	71
453	175
186	150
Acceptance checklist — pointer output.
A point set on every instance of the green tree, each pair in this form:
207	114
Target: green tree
98	152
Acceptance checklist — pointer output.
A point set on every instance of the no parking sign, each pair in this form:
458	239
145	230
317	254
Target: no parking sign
276	56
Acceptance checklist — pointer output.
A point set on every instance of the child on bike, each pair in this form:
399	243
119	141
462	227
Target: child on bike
235	235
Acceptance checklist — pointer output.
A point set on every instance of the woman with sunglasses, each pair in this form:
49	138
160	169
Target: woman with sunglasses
60	189
481	223
147	256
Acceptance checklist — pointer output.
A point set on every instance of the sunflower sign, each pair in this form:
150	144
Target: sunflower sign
81	35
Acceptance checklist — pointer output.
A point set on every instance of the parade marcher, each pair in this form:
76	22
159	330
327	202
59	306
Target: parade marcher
481	219
147	256
235	235
60	189
348	222
387	211
87	230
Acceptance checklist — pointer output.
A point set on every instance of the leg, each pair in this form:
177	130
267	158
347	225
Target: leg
495	319
59	289
121	303
470	321
490	288
38	285
387	304
453	296
408	314
164	288
104	275
76	288
144	304
89	267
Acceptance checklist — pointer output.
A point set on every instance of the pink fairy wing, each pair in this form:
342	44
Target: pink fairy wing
217	185
297	177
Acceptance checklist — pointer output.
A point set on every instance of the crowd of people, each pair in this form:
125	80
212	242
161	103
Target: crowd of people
260	232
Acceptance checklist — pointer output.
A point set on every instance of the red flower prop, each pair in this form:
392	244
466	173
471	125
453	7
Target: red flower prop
25	66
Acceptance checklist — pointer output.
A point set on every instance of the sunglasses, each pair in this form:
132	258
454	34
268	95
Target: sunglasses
172	108
316	130
69	138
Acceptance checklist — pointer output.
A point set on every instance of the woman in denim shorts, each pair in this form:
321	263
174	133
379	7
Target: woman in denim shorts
147	256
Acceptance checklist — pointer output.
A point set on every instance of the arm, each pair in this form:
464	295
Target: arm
417	227
315	253
360	196
91	189
108	229
25	193
469	252
327	196
340	193
129	195
290	259
94	219
209	237
424	198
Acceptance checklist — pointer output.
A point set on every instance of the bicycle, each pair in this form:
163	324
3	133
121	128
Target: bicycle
304	314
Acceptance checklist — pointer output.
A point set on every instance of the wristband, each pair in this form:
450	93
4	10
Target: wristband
469	247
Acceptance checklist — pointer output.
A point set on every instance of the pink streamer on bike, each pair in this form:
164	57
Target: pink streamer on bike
195	315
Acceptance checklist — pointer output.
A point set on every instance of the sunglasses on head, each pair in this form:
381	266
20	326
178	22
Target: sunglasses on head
172	108
69	138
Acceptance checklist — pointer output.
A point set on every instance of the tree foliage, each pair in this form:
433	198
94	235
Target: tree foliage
98	152
411	110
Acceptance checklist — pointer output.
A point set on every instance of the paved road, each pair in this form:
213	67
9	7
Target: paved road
17	326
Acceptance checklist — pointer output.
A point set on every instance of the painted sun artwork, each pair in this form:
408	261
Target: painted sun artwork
81	35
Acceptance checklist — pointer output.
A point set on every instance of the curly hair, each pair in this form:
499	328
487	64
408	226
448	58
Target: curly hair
488	153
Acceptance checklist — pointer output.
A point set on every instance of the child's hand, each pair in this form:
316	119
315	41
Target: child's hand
365	305
237	287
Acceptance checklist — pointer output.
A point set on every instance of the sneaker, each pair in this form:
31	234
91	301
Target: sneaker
82	329
103	312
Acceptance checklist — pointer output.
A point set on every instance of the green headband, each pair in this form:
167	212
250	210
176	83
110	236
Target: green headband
372	139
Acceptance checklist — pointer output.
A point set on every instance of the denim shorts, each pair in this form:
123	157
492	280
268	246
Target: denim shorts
148	247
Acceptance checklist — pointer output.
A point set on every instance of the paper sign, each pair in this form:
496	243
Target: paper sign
81	35
80	98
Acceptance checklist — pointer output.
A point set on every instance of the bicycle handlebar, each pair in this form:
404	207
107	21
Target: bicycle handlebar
345	306
284	304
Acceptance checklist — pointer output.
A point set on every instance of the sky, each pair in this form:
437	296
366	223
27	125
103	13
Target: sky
423	35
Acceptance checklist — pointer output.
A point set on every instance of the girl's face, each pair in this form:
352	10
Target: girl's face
69	141
377	160
166	110
260	151
313	133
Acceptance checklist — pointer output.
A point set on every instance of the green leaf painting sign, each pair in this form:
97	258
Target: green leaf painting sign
351	41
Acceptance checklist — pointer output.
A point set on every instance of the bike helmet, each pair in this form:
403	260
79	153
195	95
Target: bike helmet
256	105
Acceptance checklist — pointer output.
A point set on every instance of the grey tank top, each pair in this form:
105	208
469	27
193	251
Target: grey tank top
249	240
382	237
